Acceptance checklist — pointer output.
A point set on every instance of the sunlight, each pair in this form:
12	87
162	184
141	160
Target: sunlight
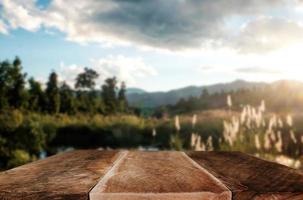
292	59
287	62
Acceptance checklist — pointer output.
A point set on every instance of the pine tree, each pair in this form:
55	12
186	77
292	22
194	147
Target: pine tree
109	95
204	93
4	68
67	104
17	93
52	94
36	96
123	104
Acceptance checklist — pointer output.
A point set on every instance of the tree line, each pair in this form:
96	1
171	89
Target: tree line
59	97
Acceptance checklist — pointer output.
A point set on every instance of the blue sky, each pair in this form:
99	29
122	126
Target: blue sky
155	45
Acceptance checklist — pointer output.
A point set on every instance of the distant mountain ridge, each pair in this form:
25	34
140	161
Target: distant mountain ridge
154	99
135	91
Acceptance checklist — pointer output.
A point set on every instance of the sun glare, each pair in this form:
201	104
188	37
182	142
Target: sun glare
289	61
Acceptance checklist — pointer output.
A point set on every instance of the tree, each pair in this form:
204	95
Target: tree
86	100
109	89
123	104
204	99
4	76
52	94
161	112
17	93
86	80
36	96
205	93
67	104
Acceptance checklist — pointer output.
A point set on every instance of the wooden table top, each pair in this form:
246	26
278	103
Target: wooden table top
161	175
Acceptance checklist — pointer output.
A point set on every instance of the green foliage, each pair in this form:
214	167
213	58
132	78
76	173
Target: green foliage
160	112
21	140
18	157
12	85
36	96
205	93
60	117
89	102
86	80
176	142
4	75
63	99
10	120
33	133
109	95
16	90
122	100
52	94
30	137
67	104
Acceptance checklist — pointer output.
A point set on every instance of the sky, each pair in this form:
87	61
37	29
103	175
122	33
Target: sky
156	45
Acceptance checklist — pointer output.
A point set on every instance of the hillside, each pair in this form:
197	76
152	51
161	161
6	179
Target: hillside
154	99
130	91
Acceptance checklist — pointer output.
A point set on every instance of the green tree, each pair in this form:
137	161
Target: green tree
67	104
86	80
122	100
52	94
21	139
161	112
205	93
4	76
36	96
17	92
86	100
109	97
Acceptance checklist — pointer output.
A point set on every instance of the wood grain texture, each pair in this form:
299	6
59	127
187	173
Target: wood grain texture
64	176
252	178
159	175
164	175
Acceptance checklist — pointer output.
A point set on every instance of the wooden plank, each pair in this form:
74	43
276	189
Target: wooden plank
64	176
158	175
252	178
151	175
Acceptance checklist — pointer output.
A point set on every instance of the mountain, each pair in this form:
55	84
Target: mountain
130	91
154	99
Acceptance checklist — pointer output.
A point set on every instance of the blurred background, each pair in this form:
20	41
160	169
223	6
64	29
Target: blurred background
151	75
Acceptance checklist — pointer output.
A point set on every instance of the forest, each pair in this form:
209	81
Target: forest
25	101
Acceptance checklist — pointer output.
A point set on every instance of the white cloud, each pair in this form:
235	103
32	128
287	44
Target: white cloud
258	70
68	73
22	14
3	28
128	69
170	24
266	34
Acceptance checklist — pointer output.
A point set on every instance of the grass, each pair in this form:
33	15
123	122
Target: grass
37	133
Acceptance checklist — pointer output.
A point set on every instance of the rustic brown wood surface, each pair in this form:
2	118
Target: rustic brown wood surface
251	178
159	175
103	175
65	176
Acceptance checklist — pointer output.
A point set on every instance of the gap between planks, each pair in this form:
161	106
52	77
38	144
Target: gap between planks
100	186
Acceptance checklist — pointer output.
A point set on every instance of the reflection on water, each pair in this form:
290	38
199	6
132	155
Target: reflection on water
249	129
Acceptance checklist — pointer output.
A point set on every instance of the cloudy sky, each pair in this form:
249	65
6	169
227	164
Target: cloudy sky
156	44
